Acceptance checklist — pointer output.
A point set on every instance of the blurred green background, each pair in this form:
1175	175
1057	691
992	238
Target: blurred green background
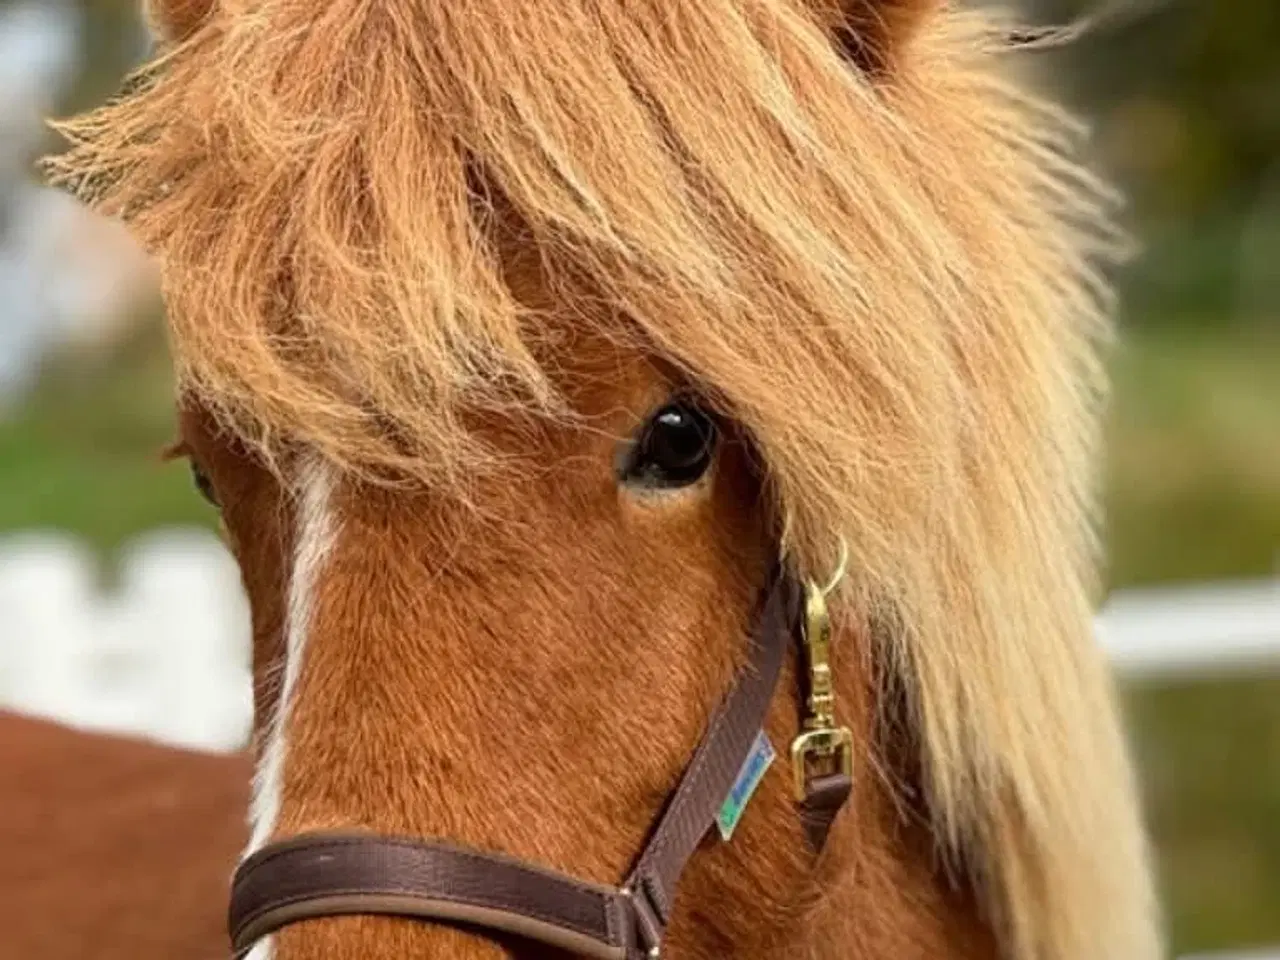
1184	97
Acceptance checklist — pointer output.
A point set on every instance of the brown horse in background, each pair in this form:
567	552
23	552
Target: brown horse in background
114	849
518	340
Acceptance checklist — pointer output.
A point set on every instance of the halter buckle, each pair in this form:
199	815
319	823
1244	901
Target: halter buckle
649	925
828	750
821	747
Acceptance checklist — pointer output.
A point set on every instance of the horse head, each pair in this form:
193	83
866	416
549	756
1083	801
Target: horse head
519	344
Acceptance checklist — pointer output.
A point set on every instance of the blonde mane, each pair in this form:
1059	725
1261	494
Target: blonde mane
890	277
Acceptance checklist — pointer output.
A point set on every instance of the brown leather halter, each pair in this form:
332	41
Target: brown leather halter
333	874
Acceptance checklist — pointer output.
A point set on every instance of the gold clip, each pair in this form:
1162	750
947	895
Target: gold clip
821	745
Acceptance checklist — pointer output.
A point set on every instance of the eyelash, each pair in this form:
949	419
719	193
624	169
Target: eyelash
203	484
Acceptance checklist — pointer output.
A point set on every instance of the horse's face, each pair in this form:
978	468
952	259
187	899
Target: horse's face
527	673
472	246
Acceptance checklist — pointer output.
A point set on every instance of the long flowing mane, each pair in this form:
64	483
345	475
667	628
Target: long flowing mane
887	271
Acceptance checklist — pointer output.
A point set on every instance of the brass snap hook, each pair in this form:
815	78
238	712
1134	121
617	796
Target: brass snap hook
821	746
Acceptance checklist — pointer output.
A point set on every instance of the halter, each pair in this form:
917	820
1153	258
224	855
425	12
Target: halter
328	874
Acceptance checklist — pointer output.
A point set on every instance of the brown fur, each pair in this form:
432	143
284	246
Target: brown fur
114	849
174	20
442	692
462	248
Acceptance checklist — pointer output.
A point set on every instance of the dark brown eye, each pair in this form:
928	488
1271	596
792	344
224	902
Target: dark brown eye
675	448
201	480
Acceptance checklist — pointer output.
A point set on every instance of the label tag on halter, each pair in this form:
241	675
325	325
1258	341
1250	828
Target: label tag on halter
759	759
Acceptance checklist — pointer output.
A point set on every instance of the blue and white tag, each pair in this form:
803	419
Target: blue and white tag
758	761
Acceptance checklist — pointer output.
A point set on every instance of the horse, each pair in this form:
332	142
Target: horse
600	396
115	848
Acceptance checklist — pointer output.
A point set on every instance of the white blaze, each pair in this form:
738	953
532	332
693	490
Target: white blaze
315	530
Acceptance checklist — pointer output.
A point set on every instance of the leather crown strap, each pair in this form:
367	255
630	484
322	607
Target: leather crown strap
334	874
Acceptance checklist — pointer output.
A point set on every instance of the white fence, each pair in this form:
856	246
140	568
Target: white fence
1194	630
164	653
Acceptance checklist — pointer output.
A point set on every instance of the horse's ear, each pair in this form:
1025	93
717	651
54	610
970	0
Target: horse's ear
874	32
174	20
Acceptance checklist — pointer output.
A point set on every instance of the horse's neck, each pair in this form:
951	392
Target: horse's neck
890	899
878	890
881	891
877	894
160	829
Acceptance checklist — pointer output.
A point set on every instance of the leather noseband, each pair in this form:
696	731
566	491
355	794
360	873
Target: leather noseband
334	874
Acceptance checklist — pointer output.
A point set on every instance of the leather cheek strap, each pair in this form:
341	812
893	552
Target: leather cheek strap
331	874
826	796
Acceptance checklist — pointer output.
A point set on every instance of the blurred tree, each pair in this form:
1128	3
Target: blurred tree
114	42
1184	95
111	40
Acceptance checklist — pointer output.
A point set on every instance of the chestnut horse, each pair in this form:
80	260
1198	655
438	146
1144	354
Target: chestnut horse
519	342
114	849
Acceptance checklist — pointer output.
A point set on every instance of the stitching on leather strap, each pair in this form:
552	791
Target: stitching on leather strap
307	847
312	842
556	921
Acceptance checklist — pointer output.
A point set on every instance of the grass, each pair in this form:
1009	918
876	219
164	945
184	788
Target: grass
1193	492
1193	478
1208	753
84	454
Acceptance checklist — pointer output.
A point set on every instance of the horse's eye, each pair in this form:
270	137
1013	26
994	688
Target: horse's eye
201	480
675	448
